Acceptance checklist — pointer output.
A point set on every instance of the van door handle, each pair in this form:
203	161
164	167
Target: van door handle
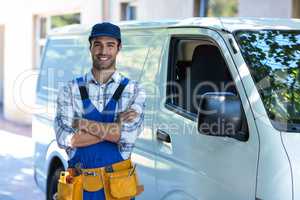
163	136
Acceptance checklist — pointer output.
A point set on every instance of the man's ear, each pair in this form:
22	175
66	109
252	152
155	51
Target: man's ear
120	47
91	43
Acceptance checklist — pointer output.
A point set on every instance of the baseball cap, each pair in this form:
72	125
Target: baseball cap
105	29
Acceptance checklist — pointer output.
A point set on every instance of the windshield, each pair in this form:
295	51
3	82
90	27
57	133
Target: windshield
273	57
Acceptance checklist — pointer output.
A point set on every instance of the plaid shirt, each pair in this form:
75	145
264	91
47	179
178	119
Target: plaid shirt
69	107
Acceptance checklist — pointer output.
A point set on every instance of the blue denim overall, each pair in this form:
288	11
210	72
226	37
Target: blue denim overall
103	153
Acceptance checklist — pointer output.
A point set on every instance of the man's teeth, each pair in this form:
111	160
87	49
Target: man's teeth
103	59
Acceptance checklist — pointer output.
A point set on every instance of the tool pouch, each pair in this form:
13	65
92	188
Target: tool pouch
122	185
92	180
69	191
120	181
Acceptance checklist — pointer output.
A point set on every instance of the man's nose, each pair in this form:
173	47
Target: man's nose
103	50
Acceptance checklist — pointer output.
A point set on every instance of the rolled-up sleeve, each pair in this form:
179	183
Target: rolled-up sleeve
64	118
130	131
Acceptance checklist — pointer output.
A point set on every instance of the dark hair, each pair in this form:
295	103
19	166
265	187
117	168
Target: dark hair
90	41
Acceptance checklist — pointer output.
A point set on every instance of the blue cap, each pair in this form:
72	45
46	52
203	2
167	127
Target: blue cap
105	29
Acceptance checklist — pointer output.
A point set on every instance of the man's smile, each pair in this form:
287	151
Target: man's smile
103	58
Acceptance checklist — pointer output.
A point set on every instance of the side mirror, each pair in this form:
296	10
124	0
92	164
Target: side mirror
220	114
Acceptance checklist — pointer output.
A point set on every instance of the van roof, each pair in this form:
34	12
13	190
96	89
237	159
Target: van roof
224	23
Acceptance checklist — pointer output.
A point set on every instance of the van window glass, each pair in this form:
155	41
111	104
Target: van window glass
64	59
131	59
197	67
273	57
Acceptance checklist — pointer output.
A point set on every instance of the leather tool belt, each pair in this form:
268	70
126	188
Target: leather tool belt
119	181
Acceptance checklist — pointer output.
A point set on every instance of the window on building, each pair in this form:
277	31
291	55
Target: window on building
215	8
43	24
128	11
63	20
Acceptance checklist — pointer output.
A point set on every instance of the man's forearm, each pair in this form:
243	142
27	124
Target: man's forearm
82	138
105	131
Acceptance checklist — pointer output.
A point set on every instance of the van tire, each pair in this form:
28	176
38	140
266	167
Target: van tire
53	181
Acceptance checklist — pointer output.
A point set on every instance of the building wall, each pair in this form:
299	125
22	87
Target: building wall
155	9
17	60
266	8
19	76
168	9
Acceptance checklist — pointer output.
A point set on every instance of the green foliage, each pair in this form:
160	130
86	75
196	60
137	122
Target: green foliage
222	8
63	20
274	61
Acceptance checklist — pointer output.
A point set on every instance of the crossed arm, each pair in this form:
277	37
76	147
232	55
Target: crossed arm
91	132
72	133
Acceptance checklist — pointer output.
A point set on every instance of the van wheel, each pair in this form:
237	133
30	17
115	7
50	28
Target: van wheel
52	183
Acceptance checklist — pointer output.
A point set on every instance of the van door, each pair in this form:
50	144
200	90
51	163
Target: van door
192	165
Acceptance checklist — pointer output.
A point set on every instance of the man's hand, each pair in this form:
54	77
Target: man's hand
89	125
83	124
105	131
127	116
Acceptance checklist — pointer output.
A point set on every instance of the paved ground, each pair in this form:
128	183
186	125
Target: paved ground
16	163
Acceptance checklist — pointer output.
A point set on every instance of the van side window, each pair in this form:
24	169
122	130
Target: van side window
64	59
196	67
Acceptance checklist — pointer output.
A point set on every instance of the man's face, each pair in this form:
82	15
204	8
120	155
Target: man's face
104	51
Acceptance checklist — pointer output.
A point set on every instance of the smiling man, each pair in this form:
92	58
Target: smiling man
100	115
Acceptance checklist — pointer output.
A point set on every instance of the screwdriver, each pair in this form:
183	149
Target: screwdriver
132	170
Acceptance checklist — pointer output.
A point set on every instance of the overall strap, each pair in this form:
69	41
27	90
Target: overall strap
116	96
88	107
82	89
109	110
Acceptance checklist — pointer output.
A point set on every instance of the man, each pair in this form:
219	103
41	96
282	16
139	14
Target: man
100	115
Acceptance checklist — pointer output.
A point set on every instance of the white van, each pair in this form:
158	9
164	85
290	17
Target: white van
222	116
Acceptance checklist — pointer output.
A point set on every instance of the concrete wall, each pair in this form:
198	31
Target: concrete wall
156	9
166	9
90	10
17	59
265	8
17	16
19	76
